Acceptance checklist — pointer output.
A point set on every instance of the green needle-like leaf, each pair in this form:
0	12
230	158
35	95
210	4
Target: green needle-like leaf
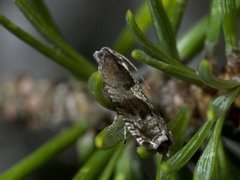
45	153
158	161
109	169
217	109
85	146
238	5
229	23
226	168
192	41
160	173
137	170
207	163
111	135
205	72
147	44
163	30
95	86
80	70
41	9
214	27
179	72
179	126
223	103
125	41
123	166
175	10
95	165
49	33
178	160
145	153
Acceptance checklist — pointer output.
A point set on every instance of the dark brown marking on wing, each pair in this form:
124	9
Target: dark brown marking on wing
115	74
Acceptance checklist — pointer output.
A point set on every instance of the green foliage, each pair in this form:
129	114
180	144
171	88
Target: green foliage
206	166
205	72
108	171
111	135
191	43
179	72
214	26
95	86
95	164
124	41
113	159
229	24
179	126
163	30
123	166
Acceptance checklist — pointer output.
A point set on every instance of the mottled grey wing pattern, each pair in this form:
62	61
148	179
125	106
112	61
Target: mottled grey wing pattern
127	96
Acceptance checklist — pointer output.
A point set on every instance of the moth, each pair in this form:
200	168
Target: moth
143	122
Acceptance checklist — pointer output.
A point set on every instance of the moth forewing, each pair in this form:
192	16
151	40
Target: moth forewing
126	94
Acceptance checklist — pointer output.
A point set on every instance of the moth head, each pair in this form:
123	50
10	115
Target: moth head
99	55
106	51
163	143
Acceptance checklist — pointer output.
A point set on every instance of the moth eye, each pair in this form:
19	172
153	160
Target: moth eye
164	146
100	55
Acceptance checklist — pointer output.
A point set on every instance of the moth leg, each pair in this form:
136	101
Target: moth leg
115	119
125	134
